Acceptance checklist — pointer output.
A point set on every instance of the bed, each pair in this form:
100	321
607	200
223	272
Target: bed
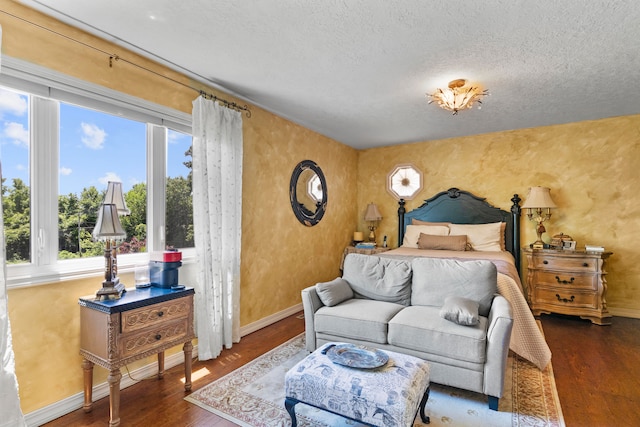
436	229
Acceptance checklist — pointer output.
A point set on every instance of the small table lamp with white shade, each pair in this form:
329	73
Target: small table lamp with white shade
539	205
373	216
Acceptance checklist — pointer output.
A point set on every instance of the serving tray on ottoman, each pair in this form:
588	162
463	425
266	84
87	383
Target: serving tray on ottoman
388	395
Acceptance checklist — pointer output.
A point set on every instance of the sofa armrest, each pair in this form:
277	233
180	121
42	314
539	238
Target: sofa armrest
310	303
498	339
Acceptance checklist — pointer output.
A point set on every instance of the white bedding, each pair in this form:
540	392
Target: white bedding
526	338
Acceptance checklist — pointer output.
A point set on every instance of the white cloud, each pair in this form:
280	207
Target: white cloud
11	102
93	137
17	133
65	171
110	176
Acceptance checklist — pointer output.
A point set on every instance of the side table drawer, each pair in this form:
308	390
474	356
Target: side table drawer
562	280
566	263
155	314
148	339
566	298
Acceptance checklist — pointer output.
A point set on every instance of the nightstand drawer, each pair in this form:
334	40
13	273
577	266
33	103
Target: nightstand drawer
567	280
574	264
152	338
566	298
155	314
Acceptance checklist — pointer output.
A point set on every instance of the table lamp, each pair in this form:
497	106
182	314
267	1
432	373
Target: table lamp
539	205
108	229
373	216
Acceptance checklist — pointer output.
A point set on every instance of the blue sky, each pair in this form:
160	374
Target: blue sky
94	147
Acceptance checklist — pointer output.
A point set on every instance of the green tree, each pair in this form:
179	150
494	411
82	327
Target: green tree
179	232
17	221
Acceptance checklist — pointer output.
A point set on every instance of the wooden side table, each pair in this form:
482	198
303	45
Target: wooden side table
365	251
142	323
568	282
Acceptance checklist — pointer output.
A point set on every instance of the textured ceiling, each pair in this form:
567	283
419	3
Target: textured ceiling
357	71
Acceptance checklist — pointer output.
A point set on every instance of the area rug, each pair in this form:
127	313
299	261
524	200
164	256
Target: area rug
253	396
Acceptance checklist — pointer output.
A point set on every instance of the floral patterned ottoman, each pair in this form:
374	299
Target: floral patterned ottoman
385	396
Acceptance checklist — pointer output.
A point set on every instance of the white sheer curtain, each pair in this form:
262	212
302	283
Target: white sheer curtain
9	399
217	214
10	412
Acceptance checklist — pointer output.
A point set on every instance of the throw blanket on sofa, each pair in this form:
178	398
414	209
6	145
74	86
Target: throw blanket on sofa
526	338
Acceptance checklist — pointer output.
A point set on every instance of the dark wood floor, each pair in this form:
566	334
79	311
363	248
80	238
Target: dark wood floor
597	371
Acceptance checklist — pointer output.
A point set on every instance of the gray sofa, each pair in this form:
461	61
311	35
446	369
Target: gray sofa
444	311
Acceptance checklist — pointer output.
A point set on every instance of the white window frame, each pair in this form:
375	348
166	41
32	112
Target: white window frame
49	87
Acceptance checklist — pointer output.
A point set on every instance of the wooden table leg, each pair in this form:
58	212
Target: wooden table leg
114	396
188	350
161	365
87	367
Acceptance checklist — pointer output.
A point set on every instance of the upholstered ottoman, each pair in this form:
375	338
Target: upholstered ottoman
389	395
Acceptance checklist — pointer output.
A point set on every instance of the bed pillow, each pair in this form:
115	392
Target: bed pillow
462	311
412	233
418	222
482	237
447	243
334	292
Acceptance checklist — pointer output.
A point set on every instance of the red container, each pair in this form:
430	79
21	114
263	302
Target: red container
166	256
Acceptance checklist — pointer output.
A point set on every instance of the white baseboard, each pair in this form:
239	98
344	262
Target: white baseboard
75	402
269	320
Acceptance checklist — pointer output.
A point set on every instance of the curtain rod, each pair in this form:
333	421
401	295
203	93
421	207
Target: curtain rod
115	57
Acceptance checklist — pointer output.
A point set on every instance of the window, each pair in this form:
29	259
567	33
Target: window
96	148
179	216
14	154
61	142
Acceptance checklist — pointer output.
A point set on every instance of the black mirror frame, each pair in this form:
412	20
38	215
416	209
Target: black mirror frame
304	217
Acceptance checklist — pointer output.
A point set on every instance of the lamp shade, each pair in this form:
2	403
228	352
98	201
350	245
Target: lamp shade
539	197
372	213
115	196
108	225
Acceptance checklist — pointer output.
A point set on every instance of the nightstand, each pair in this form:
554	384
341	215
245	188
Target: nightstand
568	282
354	250
144	322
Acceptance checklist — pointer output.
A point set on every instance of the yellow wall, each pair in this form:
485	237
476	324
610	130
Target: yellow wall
591	168
280	256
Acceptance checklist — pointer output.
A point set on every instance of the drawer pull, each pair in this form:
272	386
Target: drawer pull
564	299
160	313
545	262
565	282
158	336
585	264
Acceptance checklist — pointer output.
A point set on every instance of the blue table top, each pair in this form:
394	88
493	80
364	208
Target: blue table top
134	298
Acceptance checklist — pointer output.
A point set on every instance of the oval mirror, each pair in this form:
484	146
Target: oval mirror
308	193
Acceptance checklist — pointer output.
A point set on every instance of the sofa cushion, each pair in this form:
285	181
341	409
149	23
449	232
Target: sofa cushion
462	311
422	329
334	292
358	319
382	279
434	279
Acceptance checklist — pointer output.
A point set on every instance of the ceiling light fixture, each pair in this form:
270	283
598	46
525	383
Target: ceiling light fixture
457	96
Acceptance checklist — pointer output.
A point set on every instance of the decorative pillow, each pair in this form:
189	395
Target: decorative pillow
447	243
412	233
418	222
483	237
462	311
334	292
